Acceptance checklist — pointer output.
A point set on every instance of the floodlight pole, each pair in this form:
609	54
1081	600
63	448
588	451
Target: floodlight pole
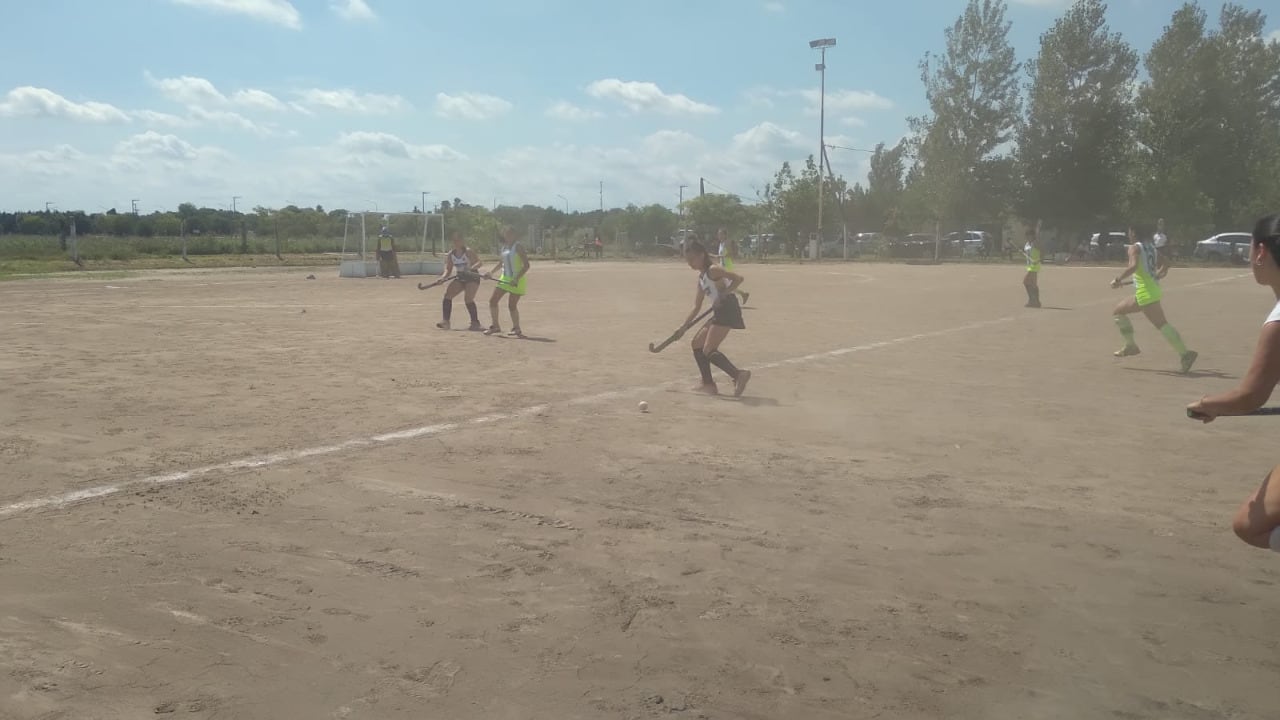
234	198
821	46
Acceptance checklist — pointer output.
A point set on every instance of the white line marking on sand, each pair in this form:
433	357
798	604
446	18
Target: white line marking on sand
75	497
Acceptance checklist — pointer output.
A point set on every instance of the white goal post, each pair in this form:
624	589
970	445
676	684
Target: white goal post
363	230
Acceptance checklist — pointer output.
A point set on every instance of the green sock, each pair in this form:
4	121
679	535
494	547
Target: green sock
1126	329
1174	338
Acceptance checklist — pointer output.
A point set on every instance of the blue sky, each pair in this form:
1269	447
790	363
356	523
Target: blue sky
352	103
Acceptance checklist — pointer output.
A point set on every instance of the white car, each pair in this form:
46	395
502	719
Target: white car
1224	247
967	243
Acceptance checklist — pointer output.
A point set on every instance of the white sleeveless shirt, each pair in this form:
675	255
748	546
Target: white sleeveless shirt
461	263
710	288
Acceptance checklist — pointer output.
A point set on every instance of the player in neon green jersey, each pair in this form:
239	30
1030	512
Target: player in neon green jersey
1031	281
514	263
728	251
1147	267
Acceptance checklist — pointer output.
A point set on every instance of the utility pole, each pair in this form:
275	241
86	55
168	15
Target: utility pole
821	46
134	202
602	197
683	233
234	198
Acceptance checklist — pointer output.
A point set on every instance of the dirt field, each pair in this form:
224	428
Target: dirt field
298	499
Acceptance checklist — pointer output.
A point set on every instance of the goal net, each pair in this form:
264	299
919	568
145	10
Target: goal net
410	234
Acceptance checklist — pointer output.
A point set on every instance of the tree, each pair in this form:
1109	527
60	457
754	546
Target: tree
1173	125
712	211
885	184
972	90
1075	148
791	202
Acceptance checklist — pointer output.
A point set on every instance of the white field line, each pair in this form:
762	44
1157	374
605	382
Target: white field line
74	497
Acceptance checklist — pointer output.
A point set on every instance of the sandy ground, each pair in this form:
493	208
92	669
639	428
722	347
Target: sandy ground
931	503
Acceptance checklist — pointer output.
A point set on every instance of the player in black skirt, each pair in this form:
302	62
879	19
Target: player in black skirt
463	264
718	285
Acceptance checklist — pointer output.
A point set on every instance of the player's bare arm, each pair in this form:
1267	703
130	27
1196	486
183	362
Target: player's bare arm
1256	387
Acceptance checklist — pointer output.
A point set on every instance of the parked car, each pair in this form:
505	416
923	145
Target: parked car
915	245
1112	247
967	243
1224	247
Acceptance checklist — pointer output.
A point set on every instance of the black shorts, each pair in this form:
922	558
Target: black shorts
466	277
729	314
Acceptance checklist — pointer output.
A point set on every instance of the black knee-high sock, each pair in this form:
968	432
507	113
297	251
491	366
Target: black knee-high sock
718	359
448	308
475	314
704	367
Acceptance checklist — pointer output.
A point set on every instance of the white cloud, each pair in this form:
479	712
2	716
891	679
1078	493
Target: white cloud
363	143
1274	36
667	142
769	139
568	111
160	119
278	12
197	93
353	9
647	96
775	7
841	104
258	100
760	96
350	101
845	101
187	90
62	160
471	106
153	143
167	167
226	119
27	101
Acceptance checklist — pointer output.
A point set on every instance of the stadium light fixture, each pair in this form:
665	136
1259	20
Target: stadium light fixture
821	46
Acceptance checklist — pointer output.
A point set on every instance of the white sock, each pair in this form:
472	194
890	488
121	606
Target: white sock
1275	540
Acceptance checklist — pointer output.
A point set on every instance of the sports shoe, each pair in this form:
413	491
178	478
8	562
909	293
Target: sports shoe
515	333
443	325
1189	359
1127	351
476	327
493	330
740	382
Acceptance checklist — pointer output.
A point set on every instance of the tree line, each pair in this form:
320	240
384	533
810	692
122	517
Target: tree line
1073	136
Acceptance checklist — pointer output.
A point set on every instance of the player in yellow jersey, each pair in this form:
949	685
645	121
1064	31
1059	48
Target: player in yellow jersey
1257	522
1031	281
728	251
514	263
1147	267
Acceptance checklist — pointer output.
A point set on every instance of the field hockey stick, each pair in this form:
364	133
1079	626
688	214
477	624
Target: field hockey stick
441	281
678	333
1259	412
